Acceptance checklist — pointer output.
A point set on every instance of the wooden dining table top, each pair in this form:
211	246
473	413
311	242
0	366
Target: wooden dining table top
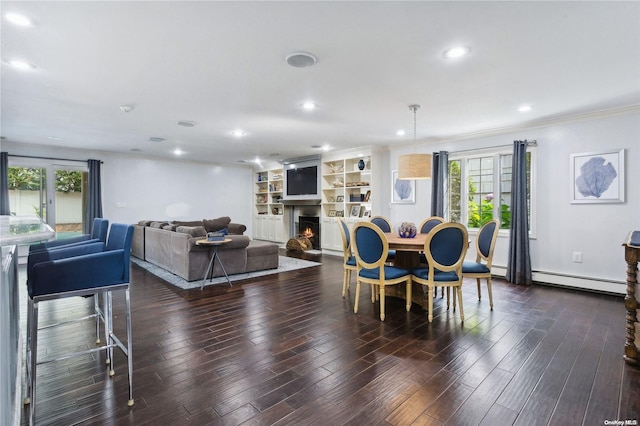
405	244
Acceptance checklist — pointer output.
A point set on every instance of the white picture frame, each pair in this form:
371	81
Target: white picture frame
597	177
402	191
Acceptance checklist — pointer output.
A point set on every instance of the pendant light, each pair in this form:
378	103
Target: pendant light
414	166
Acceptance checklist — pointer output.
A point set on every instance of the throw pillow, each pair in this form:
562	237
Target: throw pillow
187	223
212	225
194	231
158	225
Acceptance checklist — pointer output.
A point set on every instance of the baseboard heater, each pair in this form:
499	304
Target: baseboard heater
572	281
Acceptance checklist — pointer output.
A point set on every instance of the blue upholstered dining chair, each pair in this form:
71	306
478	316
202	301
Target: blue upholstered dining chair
481	268
425	227
349	263
445	248
371	249
84	270
99	230
385	225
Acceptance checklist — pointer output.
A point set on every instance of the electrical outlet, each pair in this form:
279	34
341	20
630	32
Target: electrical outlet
577	257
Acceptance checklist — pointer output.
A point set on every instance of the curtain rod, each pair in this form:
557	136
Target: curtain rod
48	158
529	143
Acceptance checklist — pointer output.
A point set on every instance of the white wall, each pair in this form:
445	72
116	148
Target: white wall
137	189
596	230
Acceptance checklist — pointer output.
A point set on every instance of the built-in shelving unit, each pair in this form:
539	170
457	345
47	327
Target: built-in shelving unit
269	211
346	192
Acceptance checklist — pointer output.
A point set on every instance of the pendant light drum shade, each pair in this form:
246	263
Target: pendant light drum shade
414	166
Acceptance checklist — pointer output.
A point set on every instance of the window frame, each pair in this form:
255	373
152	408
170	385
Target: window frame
464	156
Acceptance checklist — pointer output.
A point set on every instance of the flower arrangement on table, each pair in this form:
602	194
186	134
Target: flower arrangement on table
407	230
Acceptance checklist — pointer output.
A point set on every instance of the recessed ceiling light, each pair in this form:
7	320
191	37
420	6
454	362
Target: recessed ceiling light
238	133
156	139
126	108
54	138
456	52
178	151
401	132
524	108
326	147
186	123
21	65
309	106
17	19
301	59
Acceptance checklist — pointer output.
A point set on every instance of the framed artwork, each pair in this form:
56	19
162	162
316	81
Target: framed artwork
332	213
340	198
402	191
597	177
367	213
339	213
363	209
355	211
331	199
367	196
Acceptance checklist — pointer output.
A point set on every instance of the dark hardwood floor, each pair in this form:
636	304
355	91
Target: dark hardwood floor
286	349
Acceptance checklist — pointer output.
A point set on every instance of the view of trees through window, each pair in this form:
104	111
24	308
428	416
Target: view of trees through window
28	195
487	192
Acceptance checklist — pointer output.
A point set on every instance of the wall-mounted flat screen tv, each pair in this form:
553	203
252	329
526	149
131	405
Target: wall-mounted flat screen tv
302	182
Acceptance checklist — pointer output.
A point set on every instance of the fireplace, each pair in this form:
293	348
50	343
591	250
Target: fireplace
309	227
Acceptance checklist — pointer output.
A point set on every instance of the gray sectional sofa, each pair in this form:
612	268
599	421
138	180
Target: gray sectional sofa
171	246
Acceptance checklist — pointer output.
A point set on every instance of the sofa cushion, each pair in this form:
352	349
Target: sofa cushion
158	225
169	227
236	228
237	241
145	222
187	223
194	231
212	225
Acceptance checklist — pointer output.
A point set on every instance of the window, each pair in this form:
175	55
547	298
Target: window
487	192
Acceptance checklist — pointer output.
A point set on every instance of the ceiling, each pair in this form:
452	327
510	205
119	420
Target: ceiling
222	66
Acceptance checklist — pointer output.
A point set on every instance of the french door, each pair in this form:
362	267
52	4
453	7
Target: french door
56	193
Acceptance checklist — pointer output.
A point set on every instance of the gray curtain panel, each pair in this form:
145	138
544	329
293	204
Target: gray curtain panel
519	260
4	183
94	202
439	173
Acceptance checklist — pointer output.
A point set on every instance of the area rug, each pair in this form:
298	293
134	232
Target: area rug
285	264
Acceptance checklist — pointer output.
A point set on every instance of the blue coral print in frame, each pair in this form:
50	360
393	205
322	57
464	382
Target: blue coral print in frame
402	191
597	177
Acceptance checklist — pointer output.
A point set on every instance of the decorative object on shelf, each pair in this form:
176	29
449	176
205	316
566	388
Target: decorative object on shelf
331	199
414	166
402	191
355	211
336	167
339	213
367	213
597	177
407	230
352	184
275	210
340	198
361	164
338	182
367	196
363	209
299	244
332	213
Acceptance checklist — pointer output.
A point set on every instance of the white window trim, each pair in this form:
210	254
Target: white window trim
496	152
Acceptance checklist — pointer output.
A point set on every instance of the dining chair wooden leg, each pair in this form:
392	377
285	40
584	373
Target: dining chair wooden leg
355	304
346	281
459	291
490	293
381	303
430	305
448	296
478	283
409	295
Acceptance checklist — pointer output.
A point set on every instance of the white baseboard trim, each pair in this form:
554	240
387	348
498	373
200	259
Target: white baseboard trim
572	281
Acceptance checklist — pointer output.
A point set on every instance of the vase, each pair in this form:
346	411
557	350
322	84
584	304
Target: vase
361	164
407	230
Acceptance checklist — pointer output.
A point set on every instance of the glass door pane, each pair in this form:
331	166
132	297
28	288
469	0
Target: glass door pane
69	201
28	191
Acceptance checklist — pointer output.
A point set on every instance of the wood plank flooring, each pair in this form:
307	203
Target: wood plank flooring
287	349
